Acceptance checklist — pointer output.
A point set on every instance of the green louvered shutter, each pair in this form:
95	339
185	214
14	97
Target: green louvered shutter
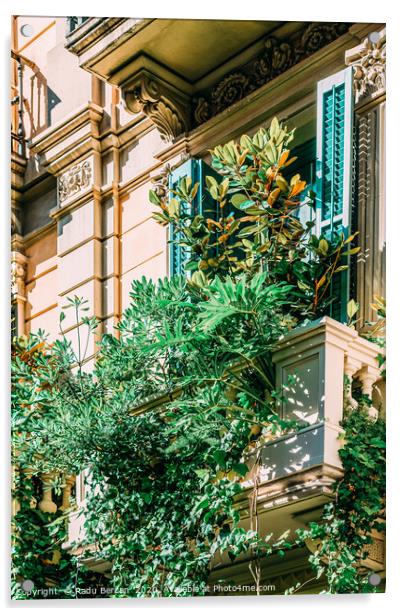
197	170
179	255
334	170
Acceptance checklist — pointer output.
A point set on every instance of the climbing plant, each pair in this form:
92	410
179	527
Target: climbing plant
178	403
343	536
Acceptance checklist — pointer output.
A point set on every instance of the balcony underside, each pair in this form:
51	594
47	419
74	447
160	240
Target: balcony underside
183	72
191	48
289	502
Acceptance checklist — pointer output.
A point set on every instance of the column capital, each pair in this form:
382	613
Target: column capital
368	60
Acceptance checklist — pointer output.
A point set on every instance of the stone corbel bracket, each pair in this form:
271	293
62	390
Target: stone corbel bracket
368	60
166	106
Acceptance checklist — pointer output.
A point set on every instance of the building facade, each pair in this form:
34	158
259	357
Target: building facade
104	108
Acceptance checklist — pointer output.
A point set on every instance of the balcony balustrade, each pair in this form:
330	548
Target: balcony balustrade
316	366
318	369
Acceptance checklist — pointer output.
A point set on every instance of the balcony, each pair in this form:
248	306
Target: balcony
296	471
183	72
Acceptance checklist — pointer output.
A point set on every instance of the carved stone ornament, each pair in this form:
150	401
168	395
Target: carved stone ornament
368	61
163	104
18	274
74	180
160	182
277	57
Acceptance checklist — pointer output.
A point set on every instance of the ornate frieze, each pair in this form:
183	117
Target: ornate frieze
277	57
164	105
368	60
74	181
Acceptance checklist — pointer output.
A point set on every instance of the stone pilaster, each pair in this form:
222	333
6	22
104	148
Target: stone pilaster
18	294
71	152
368	60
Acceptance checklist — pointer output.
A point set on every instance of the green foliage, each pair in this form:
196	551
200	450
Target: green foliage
182	394
345	532
161	483
258	224
42	385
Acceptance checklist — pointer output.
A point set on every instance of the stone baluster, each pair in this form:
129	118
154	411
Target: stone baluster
368	376
66	495
351	368
47	505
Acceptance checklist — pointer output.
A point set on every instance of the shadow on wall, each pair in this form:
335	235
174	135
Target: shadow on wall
52	101
39	101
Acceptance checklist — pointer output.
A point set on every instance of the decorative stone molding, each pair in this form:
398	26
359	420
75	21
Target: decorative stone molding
18	275
74	181
166	106
277	57
368	60
160	182
70	140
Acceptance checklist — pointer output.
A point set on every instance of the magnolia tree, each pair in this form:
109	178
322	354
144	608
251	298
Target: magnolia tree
257	226
182	397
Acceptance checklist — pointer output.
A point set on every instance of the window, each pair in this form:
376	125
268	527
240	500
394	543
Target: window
203	203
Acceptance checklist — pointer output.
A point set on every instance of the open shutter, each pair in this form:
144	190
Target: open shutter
179	255
334	170
197	170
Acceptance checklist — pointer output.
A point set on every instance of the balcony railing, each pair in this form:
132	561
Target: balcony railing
75	22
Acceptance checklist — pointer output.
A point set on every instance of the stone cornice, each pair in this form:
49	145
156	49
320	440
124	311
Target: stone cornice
32	237
89	32
97	37
69	140
18	166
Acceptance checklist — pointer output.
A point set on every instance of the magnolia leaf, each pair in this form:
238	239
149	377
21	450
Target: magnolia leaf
210	181
241	469
282	183
238	199
352	251
173	207
351	308
153	197
341	268
274	128
323	246
283	158
295	179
